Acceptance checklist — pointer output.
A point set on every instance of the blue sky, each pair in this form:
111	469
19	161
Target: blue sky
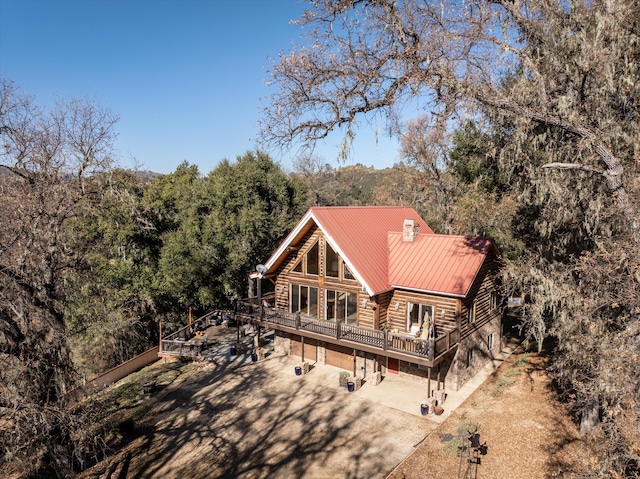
185	77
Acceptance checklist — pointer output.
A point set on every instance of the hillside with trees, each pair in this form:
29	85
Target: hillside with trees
93	258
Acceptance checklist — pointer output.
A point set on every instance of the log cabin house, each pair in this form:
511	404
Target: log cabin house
374	291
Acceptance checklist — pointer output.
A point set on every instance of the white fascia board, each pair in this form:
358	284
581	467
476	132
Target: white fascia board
287	241
427	291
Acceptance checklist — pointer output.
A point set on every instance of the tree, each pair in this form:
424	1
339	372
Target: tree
314	171
567	66
189	269
48	165
557	86
112	307
253	205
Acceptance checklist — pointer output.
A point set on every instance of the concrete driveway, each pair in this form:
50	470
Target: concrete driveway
239	419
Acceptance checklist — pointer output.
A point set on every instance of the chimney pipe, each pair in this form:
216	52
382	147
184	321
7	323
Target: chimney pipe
409	231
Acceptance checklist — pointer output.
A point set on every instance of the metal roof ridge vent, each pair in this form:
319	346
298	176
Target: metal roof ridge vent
410	229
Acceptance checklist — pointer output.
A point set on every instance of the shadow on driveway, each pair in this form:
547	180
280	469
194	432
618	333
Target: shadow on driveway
235	419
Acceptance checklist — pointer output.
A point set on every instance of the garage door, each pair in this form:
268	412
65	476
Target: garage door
340	357
310	348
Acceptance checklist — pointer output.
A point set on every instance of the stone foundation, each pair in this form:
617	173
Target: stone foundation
281	344
459	371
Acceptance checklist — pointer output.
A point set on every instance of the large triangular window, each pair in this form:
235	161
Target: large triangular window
331	263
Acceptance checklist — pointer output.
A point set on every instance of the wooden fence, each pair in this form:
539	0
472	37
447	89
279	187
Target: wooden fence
115	374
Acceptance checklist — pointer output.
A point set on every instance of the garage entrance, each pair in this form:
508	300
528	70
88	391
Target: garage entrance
340	357
310	348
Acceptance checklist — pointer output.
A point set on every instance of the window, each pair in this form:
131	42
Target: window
490	342
312	260
298	267
494	300
472	313
419	316
331	262
469	358
342	307
346	272
304	300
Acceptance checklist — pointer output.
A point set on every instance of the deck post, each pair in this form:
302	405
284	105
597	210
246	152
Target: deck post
439	377
385	339
429	382
354	361
302	349
337	329
298	320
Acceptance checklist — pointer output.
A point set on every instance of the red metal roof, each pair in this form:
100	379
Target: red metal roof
359	234
369	240
436	263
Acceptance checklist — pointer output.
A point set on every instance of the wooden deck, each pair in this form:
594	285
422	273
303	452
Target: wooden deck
190	341
427	352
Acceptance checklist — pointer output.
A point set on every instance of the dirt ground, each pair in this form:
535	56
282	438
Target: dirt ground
241	420
526	431
237	419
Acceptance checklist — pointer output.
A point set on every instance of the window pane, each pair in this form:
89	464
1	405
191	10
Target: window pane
427	314
312	260
346	272
341	308
331	305
304	299
414	315
331	262
472	312
298	268
352	308
313	302
295	295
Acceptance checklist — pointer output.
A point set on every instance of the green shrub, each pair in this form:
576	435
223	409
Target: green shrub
512	372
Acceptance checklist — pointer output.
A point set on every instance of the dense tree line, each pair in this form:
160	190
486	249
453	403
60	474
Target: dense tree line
93	257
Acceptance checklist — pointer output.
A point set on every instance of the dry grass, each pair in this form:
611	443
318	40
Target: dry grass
527	431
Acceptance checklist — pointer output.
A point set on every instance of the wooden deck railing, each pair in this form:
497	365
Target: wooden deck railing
358	334
182	342
429	349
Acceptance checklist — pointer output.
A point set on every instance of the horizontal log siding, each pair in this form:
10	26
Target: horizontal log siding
480	292
397	319
366	315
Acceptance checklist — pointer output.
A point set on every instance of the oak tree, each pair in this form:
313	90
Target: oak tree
48	163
